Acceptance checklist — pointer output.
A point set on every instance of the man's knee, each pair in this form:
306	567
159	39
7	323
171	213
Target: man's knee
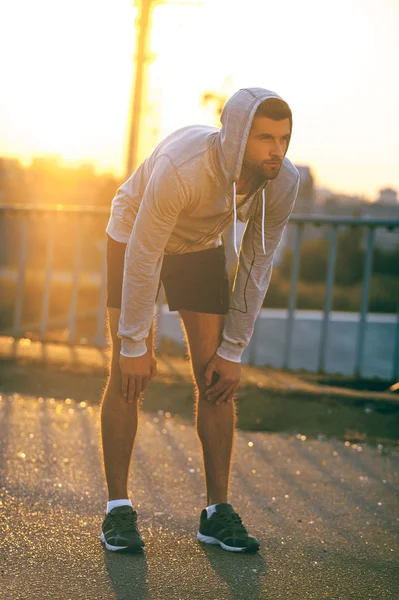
114	381
203	332
199	371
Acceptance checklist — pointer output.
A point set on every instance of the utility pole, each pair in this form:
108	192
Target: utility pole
141	56
143	21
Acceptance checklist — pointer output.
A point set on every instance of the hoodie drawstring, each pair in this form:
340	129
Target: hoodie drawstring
235	215
235	218
263	220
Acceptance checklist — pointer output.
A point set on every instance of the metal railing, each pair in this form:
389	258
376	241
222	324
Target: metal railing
24	214
370	225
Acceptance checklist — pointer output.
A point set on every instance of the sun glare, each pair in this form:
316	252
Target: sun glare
71	77
68	76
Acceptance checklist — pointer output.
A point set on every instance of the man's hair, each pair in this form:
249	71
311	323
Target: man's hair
276	109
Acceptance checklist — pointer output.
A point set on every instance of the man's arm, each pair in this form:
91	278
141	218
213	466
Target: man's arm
251	282
160	206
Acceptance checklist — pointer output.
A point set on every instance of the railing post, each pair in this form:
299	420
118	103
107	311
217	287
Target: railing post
328	303
365	296
395	369
49	272
23	254
102	309
76	277
253	344
294	280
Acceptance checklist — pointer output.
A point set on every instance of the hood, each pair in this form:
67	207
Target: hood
236	119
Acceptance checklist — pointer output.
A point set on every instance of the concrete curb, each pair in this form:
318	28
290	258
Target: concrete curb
176	370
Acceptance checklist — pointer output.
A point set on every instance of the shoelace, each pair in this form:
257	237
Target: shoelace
125	520
231	519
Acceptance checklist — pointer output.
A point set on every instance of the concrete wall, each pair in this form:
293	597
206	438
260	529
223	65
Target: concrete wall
268	342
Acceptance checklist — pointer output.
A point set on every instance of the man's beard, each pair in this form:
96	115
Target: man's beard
260	174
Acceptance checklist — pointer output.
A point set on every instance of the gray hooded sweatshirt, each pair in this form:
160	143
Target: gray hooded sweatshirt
180	199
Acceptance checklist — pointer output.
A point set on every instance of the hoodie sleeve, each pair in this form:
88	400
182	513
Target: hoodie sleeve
162	201
253	275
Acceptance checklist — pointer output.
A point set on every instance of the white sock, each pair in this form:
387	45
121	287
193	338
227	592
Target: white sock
113	503
211	509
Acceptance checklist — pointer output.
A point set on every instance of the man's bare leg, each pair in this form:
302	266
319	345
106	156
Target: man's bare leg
118	419
215	422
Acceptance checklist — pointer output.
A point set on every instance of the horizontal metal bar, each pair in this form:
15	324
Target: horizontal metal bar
295	218
54	208
353	221
52	322
60	321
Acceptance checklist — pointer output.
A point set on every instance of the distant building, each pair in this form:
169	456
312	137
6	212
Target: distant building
337	205
388	196
46	163
342	205
305	204
384	238
13	185
3	175
306	195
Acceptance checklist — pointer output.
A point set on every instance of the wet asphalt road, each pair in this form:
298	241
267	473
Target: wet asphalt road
326	514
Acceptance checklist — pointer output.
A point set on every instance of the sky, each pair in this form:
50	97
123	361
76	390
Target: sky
67	71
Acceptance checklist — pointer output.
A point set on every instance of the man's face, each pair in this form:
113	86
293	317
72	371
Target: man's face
266	147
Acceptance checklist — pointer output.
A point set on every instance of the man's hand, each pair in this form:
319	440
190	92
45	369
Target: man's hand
136	373
228	373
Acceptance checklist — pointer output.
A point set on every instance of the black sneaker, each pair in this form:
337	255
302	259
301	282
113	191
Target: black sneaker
119	530
224	527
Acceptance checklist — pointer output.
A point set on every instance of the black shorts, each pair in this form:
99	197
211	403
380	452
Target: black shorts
195	281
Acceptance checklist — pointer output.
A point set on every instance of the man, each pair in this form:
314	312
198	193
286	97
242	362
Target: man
166	225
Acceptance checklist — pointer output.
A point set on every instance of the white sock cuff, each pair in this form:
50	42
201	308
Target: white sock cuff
211	509
114	503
